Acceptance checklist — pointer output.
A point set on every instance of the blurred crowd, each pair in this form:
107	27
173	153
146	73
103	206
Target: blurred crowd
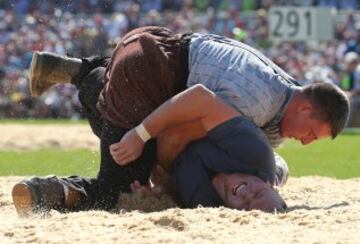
92	27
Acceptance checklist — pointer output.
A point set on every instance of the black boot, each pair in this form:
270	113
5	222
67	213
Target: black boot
48	69
38	195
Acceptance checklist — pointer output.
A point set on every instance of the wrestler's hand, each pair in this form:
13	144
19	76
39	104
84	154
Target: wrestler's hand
147	191
161	179
127	149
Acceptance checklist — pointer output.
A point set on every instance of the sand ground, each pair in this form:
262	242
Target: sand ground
321	210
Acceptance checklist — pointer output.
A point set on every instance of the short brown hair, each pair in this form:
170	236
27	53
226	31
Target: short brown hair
331	103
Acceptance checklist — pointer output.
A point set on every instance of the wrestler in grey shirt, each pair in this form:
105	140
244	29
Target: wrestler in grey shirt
243	78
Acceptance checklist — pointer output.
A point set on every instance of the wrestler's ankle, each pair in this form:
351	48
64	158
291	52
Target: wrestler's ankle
72	198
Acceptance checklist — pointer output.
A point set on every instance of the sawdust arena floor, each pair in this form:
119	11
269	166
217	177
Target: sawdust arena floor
321	210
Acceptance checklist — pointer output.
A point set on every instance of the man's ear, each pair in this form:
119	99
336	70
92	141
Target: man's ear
305	106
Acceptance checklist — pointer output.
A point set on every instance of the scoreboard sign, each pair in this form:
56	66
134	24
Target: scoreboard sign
300	23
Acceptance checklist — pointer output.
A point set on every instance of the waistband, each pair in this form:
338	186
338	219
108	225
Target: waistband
184	42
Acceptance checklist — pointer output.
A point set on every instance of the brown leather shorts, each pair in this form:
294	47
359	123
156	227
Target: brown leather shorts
148	66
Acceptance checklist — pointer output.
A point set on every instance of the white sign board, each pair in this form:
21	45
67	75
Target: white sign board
300	23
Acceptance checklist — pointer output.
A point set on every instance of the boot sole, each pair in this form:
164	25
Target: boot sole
35	71
22	199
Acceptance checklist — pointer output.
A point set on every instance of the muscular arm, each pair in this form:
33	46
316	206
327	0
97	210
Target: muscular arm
197	106
174	140
194	104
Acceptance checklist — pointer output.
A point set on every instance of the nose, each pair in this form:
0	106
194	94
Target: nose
248	194
306	141
254	191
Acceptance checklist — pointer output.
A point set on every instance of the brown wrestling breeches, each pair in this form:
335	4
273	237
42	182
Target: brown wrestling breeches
148	66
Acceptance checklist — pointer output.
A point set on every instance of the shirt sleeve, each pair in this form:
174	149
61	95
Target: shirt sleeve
192	180
247	145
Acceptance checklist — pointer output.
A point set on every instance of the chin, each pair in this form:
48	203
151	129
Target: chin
285	133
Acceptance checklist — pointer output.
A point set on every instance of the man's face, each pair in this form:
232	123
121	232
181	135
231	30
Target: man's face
303	126
242	191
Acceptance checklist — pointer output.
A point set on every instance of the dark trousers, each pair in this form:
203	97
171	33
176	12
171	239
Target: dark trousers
137	88
103	191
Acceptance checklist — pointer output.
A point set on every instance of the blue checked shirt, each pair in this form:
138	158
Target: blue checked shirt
243	78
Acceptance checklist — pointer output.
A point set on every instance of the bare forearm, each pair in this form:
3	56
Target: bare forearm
194	104
174	140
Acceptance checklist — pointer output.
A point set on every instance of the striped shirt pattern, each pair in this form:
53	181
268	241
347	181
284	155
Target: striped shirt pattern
243	78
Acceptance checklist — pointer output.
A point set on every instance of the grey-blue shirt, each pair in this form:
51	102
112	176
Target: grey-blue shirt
235	146
243	78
